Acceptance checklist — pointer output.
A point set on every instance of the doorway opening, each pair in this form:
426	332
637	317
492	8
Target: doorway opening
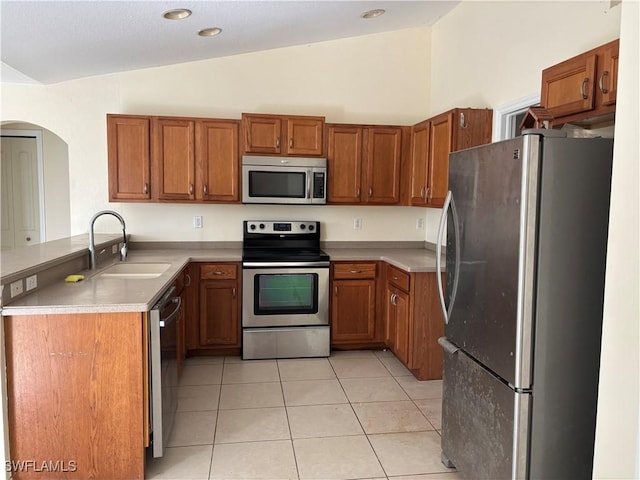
507	118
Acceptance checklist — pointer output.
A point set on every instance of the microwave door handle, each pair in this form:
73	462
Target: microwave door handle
309	175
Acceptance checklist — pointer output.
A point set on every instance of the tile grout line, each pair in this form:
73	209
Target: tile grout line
286	412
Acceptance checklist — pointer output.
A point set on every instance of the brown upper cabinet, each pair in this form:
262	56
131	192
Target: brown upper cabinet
364	164
129	158
173	159
282	134
583	87
431	143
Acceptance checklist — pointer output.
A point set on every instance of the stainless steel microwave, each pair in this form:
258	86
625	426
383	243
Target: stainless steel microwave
284	180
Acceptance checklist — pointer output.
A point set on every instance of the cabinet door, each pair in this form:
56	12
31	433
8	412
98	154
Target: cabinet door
608	76
419	164
440	146
390	319
569	87
174	157
261	133
191	307
383	156
129	157
344	164
218	170
180	333
353	311
219	320
400	305
304	136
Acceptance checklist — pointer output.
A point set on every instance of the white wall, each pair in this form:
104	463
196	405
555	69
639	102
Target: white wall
381	78
487	54
618	429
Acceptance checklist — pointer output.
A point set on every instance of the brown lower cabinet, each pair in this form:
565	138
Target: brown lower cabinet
376	305
413	321
213	310
76	396
353	305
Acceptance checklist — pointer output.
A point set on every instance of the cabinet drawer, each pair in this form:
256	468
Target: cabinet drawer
354	270
218	271
398	278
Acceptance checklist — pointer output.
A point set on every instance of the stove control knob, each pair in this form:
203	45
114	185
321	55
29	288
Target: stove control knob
262	226
311	228
302	226
252	226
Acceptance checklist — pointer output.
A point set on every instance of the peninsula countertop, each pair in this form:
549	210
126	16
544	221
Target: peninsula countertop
97	294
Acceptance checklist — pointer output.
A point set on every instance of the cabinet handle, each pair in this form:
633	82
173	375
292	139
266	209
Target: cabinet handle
603	89
335	291
463	120
393	299
291	143
356	271
370	192
145	188
426	194
187	282
277	143
218	272
205	190
233	292
422	192
395	278
28	239
583	88
358	192
191	189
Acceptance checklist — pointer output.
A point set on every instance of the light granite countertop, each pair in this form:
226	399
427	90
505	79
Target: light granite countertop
97	294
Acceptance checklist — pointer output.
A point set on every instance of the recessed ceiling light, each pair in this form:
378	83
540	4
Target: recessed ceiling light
210	32
373	13
177	14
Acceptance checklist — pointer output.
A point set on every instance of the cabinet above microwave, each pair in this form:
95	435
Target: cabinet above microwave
297	135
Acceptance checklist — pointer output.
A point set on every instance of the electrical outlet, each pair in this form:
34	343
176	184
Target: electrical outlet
420	224
16	288
197	221
32	282
357	224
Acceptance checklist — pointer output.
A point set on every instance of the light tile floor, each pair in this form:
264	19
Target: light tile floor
355	415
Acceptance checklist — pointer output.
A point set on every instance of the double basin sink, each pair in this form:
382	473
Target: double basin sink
134	270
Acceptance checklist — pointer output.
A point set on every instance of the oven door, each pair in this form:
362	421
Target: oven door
290	293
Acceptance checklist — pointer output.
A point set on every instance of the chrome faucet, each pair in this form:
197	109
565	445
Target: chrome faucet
92	243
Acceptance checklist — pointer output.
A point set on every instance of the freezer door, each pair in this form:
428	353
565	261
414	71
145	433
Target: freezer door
572	244
484	422
489	188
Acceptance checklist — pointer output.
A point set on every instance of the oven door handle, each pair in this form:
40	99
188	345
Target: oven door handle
284	264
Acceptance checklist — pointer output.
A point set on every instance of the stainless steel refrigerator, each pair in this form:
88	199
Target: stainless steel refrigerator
526	236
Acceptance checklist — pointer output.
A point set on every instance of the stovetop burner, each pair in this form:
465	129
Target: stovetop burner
282	241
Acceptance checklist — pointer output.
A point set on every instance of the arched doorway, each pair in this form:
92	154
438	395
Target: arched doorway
35	185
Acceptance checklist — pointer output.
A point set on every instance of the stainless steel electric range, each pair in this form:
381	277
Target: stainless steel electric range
285	284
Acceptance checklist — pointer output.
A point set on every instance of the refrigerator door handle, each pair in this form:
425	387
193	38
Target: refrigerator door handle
448	202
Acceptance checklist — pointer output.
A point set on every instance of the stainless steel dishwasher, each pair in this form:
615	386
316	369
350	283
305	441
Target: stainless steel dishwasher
163	387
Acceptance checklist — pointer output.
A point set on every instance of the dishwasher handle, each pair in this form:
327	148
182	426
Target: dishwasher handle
164	322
